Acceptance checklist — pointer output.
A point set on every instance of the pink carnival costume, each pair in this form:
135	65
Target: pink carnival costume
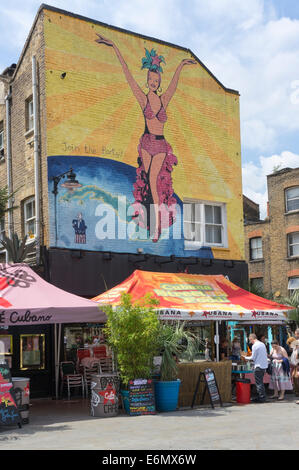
154	144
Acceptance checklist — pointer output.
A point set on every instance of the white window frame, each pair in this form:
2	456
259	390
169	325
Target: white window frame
28	201
255	248
290	199
197	244
29	115
292	244
291	291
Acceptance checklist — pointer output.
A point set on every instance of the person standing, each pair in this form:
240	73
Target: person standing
294	362
264	340
259	357
235	350
280	378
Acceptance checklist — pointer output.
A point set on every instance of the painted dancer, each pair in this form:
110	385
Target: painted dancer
156	159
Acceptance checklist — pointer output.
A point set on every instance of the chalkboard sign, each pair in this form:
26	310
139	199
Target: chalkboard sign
210	383
9	413
142	397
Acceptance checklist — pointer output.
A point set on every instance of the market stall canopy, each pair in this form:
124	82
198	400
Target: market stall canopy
196	297
27	299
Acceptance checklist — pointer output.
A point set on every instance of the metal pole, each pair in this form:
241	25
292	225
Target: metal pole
55	360
8	168
217	341
36	158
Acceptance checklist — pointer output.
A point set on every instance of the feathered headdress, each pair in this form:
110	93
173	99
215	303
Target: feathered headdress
152	61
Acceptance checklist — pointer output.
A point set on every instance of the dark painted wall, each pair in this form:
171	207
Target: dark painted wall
88	273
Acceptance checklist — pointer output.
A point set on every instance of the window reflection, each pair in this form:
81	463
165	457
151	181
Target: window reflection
32	351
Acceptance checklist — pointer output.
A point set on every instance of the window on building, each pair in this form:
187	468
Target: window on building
292	199
293	285
29	218
293	244
29	114
256	248
204	224
257	284
1	139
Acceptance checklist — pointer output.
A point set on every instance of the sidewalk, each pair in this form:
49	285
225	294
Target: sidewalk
67	425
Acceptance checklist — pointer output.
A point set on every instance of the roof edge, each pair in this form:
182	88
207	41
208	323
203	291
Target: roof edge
45	6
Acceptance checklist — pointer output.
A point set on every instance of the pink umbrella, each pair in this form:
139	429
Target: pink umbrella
26	299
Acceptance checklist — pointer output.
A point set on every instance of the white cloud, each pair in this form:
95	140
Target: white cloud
256	135
255	176
244	44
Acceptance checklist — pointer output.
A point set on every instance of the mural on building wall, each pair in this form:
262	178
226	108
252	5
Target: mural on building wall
156	159
136	157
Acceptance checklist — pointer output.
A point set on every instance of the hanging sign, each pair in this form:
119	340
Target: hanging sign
142	397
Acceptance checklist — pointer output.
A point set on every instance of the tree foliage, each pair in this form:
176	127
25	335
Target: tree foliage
175	341
293	301
133	333
17	249
4	198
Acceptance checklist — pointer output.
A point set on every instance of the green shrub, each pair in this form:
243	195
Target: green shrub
132	332
175	342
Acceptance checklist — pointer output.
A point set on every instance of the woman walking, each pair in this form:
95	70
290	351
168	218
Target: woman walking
156	159
280	380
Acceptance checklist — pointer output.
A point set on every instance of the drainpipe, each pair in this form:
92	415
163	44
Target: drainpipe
36	158
8	166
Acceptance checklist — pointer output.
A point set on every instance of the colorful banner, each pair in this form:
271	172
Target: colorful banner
196	297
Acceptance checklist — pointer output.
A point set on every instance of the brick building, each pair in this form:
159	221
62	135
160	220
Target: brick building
272	245
88	154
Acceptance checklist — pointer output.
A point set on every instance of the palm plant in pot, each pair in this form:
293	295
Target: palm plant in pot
132	331
175	341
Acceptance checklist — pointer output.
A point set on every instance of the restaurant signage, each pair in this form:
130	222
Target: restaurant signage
208	379
9	413
142	397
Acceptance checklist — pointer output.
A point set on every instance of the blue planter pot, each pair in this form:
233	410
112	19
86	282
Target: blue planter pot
126	401
167	395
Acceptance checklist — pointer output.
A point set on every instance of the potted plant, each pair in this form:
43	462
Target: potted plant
175	342
132	332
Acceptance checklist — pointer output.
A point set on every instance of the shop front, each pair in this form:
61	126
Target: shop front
32	313
28	350
209	306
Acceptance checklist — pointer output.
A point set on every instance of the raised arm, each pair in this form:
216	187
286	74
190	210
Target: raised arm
166	97
138	93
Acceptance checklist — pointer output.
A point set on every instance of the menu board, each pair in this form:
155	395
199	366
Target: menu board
210	383
9	413
142	397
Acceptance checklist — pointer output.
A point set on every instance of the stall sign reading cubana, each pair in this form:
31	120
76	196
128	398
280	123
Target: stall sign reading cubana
141	397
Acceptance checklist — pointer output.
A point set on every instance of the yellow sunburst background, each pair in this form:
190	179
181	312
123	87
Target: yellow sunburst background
92	111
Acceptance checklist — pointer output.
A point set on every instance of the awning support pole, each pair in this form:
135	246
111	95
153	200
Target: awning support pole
217	341
57	342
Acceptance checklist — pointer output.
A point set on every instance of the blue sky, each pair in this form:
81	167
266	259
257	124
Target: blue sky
250	45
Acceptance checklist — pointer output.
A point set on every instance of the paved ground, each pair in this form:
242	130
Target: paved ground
68	425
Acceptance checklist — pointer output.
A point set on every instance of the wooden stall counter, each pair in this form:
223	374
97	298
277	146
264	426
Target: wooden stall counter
188	373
